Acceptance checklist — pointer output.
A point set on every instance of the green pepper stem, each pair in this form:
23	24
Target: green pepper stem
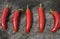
27	7
20	9
51	11
7	5
40	5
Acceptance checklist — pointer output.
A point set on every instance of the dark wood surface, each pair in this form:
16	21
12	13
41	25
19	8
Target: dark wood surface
34	34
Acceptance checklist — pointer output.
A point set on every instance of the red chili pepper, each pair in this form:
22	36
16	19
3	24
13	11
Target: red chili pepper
15	19
28	20
41	18
55	15
5	14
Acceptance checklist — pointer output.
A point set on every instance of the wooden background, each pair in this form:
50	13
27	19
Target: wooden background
34	33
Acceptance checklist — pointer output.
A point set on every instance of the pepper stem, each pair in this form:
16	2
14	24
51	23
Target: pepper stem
50	10
27	7
40	5
20	9
7	5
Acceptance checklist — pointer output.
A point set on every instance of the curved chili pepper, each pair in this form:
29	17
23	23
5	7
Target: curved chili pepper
5	14
55	15
15	19
41	18
28	20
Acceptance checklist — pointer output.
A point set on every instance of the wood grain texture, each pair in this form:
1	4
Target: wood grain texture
34	34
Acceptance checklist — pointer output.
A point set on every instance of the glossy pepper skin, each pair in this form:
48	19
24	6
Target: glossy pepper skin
55	15
5	14
41	18
15	20
28	20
